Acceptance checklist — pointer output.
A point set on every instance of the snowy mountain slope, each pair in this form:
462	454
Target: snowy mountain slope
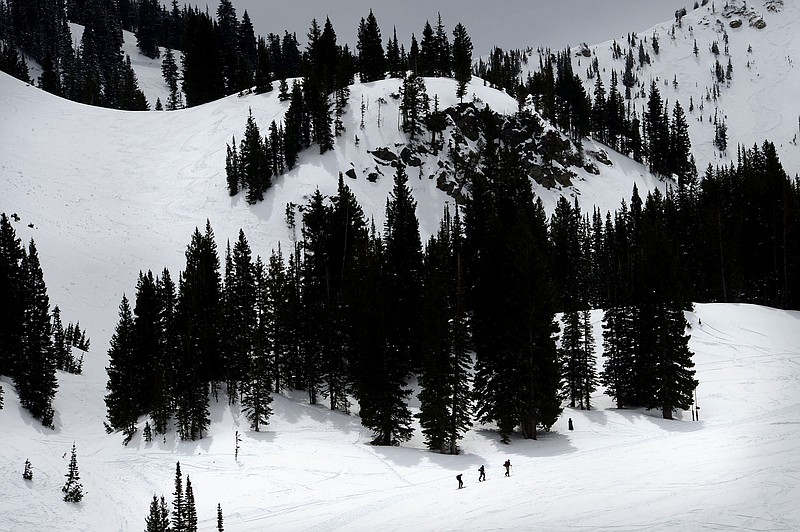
110	193
759	102
313	469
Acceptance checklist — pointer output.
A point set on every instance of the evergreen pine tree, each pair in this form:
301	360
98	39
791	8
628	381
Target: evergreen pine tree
390	418
233	173
12	313
443	60
178	502
657	132
414	105
516	375
599	110
445	404
263	69
191	510
120	402
165	371
273	298
61	351
428	52
247	45
393	63
147	28
255	169
371	60
198	316
73	489
316	291
35	371
680	147
203	76
158	518
628	77
462	59
50	80
169	70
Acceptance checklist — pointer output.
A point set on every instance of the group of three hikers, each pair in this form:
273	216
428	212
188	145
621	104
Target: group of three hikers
482	473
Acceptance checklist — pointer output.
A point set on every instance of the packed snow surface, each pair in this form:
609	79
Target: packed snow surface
313	469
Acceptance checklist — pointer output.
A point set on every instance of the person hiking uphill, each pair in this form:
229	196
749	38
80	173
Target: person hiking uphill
460	482
507	465
482	475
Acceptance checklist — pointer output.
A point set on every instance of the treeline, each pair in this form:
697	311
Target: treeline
33	341
97	73
183	515
352	313
658	136
220	55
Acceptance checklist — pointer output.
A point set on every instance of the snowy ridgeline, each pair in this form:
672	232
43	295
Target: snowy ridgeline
313	468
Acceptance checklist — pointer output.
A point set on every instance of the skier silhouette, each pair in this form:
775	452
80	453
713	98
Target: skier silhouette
460	482
570	424
482	475
507	465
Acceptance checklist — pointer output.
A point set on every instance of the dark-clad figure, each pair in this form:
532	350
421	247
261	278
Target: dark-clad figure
570	424
507	465
482	475
460	482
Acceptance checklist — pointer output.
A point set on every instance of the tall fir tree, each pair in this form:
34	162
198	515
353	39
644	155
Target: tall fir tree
178	502
35	367
121	406
517	375
445	402
256	398
147	28
203	75
462	59
414	105
12	313
73	489
371	59
191	508
158	518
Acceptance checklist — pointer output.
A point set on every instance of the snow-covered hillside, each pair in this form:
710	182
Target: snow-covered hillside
106	194
313	469
110	193
759	102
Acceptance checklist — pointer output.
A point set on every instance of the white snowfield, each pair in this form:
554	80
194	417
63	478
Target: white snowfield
109	193
313	469
760	101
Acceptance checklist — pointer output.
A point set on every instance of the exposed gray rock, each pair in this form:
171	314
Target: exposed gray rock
410	158
384	155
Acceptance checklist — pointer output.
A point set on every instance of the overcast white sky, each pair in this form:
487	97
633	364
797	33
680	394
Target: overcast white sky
506	23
